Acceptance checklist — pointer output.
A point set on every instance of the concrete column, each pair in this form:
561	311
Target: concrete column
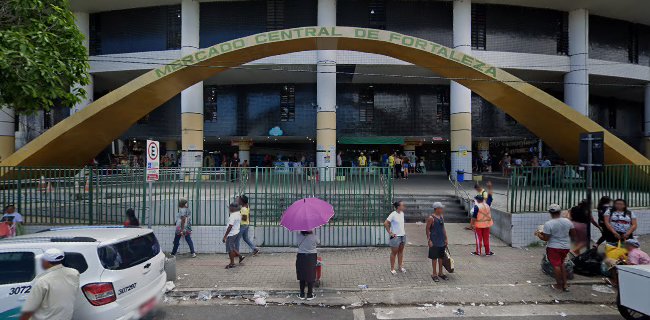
576	82
326	96
461	97
192	97
171	146
82	20
646	125
7	133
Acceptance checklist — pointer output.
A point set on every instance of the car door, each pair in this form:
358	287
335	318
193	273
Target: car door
18	269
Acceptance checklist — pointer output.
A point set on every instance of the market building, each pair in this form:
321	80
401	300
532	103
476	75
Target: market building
593	55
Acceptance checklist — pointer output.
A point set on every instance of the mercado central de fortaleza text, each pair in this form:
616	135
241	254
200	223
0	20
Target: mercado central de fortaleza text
324	32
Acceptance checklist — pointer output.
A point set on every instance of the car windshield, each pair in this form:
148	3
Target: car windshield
128	253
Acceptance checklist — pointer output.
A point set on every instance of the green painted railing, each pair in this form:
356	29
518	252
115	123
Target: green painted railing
64	196
532	189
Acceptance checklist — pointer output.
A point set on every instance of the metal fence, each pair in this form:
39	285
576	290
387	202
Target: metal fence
532	189
64	196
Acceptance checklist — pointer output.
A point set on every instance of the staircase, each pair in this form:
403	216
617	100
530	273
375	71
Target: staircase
419	207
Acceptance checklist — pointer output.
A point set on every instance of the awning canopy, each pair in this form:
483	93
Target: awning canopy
371	140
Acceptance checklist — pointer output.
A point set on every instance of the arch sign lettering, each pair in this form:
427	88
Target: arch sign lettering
107	118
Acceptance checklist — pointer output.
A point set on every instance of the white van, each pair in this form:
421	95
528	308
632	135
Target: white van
122	270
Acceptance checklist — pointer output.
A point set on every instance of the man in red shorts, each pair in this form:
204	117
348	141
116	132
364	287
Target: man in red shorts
557	233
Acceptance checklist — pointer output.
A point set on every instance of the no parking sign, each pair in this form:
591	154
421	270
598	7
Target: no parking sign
153	160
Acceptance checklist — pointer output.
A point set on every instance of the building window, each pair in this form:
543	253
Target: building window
174	27
367	104
611	119
633	44
210	104
377	14
16	122
47	119
562	33
274	15
95	42
479	22
442	106
288	103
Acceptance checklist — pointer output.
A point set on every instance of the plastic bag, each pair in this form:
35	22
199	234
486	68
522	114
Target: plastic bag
615	252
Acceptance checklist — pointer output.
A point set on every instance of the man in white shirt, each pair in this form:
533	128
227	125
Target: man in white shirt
394	225
54	291
231	238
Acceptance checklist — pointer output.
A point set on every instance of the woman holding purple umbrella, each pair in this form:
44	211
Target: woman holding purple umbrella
306	263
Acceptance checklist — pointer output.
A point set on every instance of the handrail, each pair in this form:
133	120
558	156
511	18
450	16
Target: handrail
456	185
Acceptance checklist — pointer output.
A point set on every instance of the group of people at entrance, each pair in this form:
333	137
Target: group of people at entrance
436	234
567	238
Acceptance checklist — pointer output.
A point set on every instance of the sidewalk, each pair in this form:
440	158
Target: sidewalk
512	275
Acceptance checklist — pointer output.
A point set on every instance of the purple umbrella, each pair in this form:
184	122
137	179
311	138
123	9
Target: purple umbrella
307	214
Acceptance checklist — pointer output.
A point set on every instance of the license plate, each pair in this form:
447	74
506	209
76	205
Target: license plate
146	307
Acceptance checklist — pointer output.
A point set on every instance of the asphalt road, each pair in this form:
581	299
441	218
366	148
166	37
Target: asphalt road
293	312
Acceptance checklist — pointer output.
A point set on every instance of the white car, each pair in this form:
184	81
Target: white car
122	270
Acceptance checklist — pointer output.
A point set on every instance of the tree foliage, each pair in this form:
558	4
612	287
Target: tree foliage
41	55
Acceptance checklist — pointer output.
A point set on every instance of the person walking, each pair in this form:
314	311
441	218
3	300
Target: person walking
53	292
620	221
231	237
131	219
245	223
481	222
557	233
437	236
394	225
604	205
406	164
14	220
183	227
306	260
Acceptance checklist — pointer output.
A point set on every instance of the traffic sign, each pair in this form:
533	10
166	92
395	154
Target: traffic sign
153	160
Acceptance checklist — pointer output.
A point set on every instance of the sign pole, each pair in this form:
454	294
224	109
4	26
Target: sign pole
149	199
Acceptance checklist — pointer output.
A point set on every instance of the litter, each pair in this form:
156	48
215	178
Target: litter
343	307
363	286
185	274
500	303
260	294
562	314
169	286
603	306
458	288
528	281
439	305
593	294
338	292
220	296
481	305
204	295
261	301
423	308
428	305
487	295
472	304
602	288
459	312
557	301
524	302
357	304
418	223
409	243
510	284
288	296
185	298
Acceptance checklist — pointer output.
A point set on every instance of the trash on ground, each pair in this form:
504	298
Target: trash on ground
554	300
169	286
261	301
220	296
204	295
524	302
439	305
343	307
185	298
260	294
418	223
472	304
428	305
357	304
459	312
528	281
602	288
363	286
500	303
481	305
562	314
487	295
510	284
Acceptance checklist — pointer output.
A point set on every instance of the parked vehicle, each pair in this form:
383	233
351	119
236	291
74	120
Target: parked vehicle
122	270
633	284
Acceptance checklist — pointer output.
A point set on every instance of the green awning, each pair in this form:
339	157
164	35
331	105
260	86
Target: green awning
371	140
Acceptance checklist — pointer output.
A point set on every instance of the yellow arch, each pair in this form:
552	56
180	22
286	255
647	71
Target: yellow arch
75	140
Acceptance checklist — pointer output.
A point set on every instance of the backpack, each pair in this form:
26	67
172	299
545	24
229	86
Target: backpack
547	268
588	263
